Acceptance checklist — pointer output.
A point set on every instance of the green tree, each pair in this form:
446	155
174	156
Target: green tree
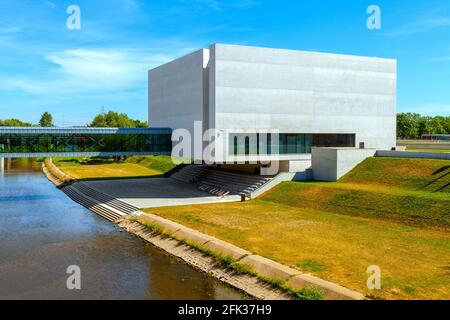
402	125
408	125
14	123
141	124
439	125
413	125
116	120
447	125
99	121
46	120
425	125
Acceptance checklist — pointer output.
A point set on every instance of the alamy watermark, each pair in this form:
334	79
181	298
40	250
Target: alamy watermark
73	22
374	279
74	280
374	20
237	146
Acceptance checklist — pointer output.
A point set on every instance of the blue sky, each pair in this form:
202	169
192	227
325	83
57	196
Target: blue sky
72	74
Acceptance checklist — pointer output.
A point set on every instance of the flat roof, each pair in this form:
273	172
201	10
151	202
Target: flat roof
304	51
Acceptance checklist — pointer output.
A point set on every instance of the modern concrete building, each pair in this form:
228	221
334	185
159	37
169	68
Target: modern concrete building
305	99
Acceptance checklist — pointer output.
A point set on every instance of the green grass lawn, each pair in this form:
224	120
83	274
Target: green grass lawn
388	212
427	175
106	168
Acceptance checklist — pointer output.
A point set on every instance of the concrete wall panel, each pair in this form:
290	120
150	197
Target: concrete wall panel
177	92
304	92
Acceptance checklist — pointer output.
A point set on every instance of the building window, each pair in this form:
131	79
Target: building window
88	142
247	145
287	143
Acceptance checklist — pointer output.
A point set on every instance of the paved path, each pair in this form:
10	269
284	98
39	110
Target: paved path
156	192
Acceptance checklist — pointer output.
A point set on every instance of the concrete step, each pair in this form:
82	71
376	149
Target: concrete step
105	199
189	173
225	181
219	182
90	205
101	209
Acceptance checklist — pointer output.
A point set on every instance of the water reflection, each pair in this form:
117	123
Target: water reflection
42	232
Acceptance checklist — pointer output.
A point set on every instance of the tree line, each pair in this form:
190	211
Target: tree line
110	119
413	125
409	125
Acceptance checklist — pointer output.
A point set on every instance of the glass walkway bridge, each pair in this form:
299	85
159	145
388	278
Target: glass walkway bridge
36	142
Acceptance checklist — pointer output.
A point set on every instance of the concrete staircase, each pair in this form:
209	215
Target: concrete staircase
220	182
104	205
190	173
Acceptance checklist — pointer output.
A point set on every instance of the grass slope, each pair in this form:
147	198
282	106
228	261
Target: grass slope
106	168
413	174
409	191
158	163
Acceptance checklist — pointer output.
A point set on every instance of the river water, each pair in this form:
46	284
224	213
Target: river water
43	232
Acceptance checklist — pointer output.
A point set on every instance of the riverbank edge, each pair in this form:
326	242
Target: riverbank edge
208	264
226	262
247	284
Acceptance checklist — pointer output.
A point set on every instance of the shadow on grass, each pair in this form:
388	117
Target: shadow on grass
442	188
441	170
446	270
67	161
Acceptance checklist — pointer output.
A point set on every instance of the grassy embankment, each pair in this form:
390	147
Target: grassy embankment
393	213
107	168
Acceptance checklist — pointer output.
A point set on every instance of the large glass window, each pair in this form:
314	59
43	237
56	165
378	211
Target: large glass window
42	143
287	143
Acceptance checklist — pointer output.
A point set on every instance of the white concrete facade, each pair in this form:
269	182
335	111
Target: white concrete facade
248	89
177	92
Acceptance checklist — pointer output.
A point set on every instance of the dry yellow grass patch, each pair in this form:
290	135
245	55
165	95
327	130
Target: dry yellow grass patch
110	170
414	261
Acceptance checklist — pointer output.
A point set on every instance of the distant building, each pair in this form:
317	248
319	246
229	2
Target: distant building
436	137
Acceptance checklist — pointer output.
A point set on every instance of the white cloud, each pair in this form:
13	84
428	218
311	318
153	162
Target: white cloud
50	4
131	5
89	70
440	59
9	30
221	4
111	67
422	25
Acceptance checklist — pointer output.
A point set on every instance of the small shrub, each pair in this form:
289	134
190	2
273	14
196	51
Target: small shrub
153	227
276	283
240	268
312	266
409	290
309	293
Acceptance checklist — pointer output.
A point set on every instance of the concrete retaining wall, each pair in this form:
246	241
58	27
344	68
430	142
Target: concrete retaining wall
412	155
260	265
330	164
424	144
